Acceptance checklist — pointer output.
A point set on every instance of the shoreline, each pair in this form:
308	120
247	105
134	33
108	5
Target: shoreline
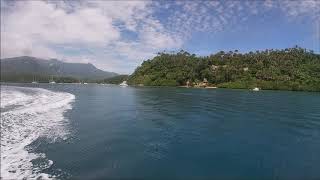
191	87
217	87
197	87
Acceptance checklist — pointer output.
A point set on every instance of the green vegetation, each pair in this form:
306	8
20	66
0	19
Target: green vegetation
289	69
41	78
25	68
115	80
44	78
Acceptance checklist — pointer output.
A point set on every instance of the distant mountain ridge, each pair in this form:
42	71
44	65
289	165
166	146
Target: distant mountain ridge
53	67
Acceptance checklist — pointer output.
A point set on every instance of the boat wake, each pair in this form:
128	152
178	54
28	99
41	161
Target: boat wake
28	114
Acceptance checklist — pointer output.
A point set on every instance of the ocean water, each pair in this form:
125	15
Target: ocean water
89	131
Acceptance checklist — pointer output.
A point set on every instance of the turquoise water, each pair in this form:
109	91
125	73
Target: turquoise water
157	133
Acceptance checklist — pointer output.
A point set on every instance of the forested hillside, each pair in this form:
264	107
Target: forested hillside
287	69
25	69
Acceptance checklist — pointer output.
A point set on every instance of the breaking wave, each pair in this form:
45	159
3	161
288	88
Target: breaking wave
28	114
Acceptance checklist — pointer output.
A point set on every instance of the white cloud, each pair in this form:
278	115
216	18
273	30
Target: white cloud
118	35
296	9
35	27
214	16
36	24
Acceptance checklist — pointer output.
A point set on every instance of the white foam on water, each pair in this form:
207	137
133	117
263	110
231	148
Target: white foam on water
34	113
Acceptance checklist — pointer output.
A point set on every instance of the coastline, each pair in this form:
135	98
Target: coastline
198	87
192	87
217	87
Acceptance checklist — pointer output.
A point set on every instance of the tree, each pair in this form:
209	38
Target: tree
291	69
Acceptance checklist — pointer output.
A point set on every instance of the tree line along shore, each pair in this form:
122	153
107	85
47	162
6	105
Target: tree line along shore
294	69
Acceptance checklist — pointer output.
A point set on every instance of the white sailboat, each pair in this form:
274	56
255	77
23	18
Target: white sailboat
123	84
52	81
34	81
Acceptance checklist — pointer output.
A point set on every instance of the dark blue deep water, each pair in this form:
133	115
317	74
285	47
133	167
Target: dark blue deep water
179	133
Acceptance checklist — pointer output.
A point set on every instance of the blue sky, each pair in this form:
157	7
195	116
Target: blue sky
256	36
118	35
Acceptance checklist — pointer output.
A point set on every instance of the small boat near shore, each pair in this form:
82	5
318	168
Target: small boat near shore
34	80
51	81
256	89
123	84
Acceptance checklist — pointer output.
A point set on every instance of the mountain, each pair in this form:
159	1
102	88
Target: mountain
25	65
287	69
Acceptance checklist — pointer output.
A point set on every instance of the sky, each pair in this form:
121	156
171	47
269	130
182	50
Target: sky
118	36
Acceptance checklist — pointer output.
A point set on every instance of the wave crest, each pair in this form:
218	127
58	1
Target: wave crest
26	115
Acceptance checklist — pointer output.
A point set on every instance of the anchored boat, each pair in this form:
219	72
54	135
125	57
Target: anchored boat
123	84
256	89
